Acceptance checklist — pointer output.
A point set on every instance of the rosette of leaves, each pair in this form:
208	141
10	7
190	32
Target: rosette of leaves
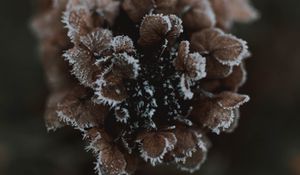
144	80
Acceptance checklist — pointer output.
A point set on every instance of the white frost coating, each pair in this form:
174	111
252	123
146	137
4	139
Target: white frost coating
51	128
188	94
202	146
151	113
195	168
156	160
98	91
98	153
244	53
96	39
72	30
246	99
126	145
120	41
70	57
100	98
98	168
153	103
200	65
100	82
187	153
179	24
225	124
187	49
125	115
209	12
91	146
132	61
77	59
200	143
72	122
184	120
165	18
149	90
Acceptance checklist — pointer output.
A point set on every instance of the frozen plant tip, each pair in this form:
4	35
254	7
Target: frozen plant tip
144	80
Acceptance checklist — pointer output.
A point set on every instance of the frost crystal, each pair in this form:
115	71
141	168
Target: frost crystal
144	80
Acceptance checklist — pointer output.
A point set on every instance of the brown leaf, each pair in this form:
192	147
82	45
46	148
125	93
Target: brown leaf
122	44
97	41
154	146
230	100
110	160
217	112
176	29
187	143
192	64
154	29
194	162
242	11
109	10
51	118
83	65
216	70
78	21
77	109
235	123
131	163
225	48
110	87
236	79
183	52
196	14
230	11
211	85
221	9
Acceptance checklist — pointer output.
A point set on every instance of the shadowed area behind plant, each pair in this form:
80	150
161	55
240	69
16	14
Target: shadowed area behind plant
266	141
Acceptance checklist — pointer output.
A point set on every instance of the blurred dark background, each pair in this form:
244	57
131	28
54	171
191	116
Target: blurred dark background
267	140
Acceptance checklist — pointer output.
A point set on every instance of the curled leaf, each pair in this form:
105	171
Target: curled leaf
192	65
225	48
230	100
110	87
218	112
189	140
157	29
153	29
154	146
194	162
78	110
110	160
196	14
83	65
216	70
121	44
97	41
78	21
236	79
242	11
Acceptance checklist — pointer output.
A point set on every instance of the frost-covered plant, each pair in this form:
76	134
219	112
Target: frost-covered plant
144	80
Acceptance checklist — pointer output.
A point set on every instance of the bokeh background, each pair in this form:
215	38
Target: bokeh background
267	141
